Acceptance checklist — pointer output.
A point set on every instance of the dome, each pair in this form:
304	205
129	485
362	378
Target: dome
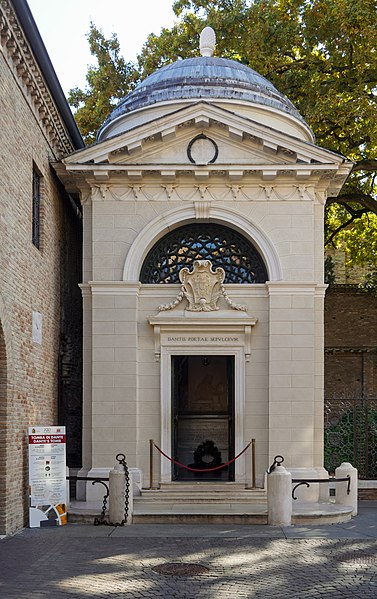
206	78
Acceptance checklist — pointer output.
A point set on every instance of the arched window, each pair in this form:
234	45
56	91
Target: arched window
221	245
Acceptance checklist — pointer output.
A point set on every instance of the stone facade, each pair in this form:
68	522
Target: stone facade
32	135
244	166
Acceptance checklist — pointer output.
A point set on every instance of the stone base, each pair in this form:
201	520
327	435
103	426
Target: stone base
367	489
86	491
316	491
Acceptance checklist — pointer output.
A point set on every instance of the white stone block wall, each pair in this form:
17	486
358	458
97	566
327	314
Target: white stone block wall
283	380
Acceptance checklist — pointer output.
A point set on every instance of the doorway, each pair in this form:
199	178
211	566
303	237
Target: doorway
203	416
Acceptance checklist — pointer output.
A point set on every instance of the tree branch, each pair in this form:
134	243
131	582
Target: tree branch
369	164
367	201
355	214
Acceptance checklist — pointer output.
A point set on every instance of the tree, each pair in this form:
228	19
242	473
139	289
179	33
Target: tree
107	83
320	53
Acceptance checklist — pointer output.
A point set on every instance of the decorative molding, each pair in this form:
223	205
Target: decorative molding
216	193
85	195
235	190
268	189
231	304
202	288
27	71
202	150
179	216
200	329
111	288
101	191
293	154
202	210
137	190
169	189
295	288
202	189
238	351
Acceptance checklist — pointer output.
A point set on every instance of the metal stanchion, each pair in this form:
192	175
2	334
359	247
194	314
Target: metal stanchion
253	475
151	443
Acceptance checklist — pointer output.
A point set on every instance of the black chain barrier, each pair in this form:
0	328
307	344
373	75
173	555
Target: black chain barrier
102	519
121	458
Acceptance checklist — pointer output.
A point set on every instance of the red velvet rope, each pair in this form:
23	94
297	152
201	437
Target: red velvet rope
201	469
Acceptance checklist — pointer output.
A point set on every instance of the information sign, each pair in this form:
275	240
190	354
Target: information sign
47	476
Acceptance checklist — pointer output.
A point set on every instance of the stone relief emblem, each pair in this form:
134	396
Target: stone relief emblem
202	288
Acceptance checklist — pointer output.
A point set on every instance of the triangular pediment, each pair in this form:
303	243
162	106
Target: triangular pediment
189	146
203	141
165	141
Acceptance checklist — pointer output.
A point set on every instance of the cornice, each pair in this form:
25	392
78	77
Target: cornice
18	53
202	117
160	150
205	193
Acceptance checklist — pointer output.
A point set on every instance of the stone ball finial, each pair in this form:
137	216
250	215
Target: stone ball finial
207	41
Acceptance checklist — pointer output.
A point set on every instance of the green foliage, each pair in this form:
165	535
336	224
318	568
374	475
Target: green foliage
320	53
369	285
330	278
107	83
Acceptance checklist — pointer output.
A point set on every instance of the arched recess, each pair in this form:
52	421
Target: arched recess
164	223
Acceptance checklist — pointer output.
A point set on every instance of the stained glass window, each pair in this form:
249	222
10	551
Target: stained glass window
221	245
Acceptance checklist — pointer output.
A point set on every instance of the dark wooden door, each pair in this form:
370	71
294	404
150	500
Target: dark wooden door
203	416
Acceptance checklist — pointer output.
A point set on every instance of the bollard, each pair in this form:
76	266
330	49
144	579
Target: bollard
341	496
117	507
279	497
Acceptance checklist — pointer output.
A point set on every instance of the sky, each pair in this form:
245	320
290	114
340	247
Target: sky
63	26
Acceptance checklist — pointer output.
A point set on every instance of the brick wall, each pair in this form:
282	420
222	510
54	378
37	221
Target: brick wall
351	378
3	395
350	317
30	280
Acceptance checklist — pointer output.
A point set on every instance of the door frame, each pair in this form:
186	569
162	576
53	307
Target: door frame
228	361
166	402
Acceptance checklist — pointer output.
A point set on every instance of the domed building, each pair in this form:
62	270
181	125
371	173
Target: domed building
203	202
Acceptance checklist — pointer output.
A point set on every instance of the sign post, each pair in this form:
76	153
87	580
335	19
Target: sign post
47	476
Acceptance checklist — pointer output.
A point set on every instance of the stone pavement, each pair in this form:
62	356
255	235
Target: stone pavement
82	561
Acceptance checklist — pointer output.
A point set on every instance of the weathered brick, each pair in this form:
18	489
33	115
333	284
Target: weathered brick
31	279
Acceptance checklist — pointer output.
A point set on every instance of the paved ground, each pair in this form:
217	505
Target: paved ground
82	561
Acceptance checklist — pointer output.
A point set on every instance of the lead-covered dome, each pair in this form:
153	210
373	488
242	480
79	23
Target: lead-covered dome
203	78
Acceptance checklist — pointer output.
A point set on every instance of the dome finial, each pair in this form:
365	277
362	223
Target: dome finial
207	41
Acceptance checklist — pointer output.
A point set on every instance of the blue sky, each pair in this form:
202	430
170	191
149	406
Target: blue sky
63	26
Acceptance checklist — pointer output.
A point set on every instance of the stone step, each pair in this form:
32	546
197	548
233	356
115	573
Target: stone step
203	486
203	493
219	518
202	497
215	513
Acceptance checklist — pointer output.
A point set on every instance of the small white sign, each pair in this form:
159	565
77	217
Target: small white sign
36	327
47	476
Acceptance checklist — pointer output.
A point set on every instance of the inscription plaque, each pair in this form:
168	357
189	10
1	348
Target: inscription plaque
193	432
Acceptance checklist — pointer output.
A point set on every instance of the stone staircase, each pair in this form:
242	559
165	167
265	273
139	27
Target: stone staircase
197	503
194	492
210	503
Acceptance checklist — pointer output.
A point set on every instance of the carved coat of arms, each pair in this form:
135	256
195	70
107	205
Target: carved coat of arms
202	288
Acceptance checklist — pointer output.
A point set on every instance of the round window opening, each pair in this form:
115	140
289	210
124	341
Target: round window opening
224	247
